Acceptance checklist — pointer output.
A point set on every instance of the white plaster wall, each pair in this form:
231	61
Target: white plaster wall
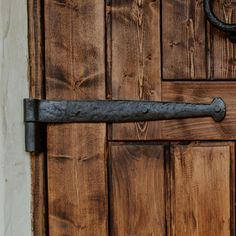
15	195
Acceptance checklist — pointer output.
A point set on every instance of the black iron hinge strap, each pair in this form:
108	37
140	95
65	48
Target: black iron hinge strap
39	112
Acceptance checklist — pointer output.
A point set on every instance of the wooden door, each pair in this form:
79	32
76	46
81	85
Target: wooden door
147	178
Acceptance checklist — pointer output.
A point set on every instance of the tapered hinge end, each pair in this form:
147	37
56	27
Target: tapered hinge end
218	109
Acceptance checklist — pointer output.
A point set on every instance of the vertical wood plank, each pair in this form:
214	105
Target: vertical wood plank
37	90
75	69
223	58
183	40
201	185
136	60
36	48
137	190
77	180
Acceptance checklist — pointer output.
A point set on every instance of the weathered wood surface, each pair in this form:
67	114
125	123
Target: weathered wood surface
137	188
184	40
75	69
37	90
195	128
200	128
136	60
36	48
201	189
150	191
223	52
192	49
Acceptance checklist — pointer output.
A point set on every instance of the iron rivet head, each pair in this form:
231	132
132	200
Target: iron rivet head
145	110
217	109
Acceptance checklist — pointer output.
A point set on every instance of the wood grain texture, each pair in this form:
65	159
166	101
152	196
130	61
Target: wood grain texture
36	48
37	90
223	52
183	40
200	128
136	60
75	69
137	190
201	189
77	180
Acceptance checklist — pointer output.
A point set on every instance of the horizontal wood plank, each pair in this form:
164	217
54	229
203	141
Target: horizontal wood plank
195	128
200	128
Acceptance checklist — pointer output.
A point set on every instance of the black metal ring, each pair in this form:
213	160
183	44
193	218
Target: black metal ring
230	29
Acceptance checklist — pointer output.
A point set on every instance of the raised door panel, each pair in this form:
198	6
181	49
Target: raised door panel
202	183
137	189
192	48
184	41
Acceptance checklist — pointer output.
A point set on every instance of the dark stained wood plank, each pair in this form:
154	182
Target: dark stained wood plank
136	60
200	128
75	69
137	189
39	195
168	193
223	52
36	48
36	80
232	190
183	40
202	188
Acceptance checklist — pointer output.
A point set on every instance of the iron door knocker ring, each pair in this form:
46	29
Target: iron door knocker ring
230	29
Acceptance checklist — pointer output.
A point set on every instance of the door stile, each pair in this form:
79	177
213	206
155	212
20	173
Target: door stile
202	185
137	188
136	61
75	69
37	90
